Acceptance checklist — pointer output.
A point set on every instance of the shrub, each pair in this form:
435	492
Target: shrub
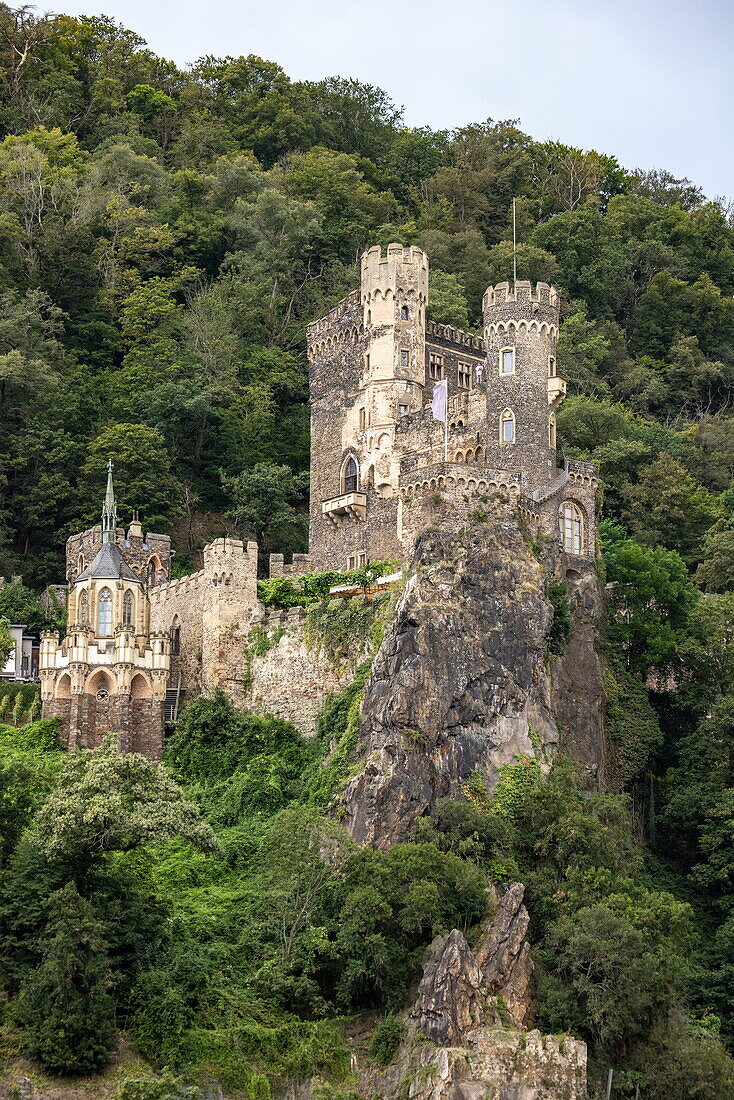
386	1039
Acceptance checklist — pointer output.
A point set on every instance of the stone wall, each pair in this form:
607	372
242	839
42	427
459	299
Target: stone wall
292	678
209	609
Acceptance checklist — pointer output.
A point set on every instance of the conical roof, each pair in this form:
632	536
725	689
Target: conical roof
108	564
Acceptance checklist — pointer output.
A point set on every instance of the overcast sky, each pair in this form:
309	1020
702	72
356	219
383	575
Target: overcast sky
649	81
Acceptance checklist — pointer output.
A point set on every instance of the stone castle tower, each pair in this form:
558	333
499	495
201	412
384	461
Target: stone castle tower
378	453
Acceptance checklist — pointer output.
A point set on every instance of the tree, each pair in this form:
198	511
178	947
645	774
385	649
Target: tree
265	500
143	476
446	300
716	571
652	597
624	985
112	801
668	507
64	1008
7	643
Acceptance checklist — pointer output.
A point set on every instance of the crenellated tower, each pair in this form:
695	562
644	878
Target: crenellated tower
523	387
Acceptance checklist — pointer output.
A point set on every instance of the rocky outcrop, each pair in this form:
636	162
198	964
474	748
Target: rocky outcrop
494	1063
462	989
459	683
464	1040
503	955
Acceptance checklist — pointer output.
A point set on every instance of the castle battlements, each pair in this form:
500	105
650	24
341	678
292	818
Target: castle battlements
326	323
520	293
446	334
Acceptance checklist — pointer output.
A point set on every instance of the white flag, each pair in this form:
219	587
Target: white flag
439	401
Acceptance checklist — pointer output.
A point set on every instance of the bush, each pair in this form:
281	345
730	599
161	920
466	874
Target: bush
386	1039
560	627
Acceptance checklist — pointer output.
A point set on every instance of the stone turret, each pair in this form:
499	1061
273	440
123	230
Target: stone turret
523	388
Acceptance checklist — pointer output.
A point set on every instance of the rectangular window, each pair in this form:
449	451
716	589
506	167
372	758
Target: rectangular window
435	366
403	410
404	358
508	431
356	561
464	376
508	361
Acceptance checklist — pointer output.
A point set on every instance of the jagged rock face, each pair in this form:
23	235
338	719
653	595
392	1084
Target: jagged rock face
460	1044
448	998
503	955
458	683
460	987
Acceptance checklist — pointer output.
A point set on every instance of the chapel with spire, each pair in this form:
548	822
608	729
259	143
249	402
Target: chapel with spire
109	674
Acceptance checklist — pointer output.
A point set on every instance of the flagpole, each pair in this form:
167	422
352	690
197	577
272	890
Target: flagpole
514	249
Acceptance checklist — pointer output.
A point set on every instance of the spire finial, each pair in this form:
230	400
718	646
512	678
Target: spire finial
109	509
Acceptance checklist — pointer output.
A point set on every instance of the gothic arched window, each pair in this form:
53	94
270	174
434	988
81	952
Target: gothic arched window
104	614
350	477
175	637
84	607
507	426
404	313
571	527
127	609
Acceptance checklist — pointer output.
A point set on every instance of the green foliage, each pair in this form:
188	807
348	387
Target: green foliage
7	643
632	725
514	783
344	629
560	627
111	801
386	1038
282	592
64	1007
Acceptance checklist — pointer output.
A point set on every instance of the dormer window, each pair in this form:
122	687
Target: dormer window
507	361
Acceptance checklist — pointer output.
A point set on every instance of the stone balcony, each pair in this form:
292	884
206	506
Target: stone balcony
347	506
556	390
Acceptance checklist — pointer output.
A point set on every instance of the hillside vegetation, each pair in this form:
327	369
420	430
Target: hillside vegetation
165	237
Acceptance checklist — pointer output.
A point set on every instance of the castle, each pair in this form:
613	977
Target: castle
408	419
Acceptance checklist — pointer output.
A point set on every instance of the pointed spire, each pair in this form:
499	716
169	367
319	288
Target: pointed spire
109	510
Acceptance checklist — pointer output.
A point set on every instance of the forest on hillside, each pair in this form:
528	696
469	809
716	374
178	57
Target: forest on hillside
165	238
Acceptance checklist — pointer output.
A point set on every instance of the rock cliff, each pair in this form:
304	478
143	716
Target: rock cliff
462	681
463	1040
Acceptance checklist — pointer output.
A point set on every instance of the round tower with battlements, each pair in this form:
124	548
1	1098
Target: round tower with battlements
523	387
394	296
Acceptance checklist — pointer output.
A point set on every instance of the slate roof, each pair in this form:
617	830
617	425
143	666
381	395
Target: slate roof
108	565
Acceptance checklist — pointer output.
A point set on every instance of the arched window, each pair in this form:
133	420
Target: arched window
552	430
551	367
507	426
362	420
175	637
104	614
571	527
350	477
404	313
80	565
127	609
507	361
84	607
153	571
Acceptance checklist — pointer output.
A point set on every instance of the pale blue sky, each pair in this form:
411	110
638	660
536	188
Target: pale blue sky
646	80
